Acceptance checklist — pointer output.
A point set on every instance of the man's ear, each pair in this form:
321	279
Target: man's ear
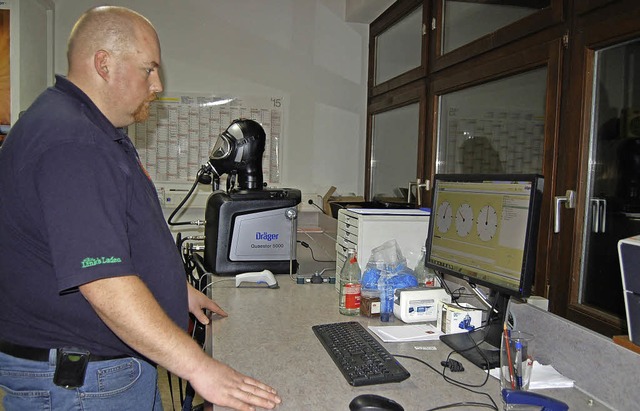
101	63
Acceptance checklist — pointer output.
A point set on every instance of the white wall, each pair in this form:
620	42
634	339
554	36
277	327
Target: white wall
365	11
30	53
302	50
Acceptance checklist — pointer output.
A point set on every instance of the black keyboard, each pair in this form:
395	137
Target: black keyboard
359	356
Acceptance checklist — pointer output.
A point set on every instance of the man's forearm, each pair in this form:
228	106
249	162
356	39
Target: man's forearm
129	309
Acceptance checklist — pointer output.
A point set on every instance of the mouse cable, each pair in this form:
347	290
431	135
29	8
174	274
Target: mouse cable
443	372
463	404
454	382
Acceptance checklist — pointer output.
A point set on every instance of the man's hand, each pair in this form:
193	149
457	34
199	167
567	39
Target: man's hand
219	383
222	385
198	302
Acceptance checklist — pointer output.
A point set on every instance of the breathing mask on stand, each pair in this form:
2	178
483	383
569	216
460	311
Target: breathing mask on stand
248	227
238	153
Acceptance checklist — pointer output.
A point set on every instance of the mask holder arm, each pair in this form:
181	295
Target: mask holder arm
292	215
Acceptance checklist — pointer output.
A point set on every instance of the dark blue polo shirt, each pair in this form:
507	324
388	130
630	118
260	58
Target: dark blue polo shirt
76	206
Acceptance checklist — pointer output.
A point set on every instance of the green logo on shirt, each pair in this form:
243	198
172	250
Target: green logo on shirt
90	261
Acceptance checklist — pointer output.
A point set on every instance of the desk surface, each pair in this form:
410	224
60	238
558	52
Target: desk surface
268	335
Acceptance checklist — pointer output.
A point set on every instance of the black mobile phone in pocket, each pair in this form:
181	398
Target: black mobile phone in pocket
71	366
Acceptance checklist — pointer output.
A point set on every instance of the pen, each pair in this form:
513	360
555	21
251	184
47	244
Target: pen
519	365
508	348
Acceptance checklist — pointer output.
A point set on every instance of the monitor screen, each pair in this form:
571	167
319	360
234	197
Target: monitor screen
483	229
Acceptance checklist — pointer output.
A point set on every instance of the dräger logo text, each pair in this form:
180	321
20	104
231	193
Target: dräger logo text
266	236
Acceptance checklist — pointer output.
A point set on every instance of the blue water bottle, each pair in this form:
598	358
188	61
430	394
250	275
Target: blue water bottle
386	295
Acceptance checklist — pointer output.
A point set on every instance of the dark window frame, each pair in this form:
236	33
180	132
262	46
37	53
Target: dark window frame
534	23
389	18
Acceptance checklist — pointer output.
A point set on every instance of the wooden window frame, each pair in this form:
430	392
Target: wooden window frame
522	28
597	24
390	17
497	65
411	93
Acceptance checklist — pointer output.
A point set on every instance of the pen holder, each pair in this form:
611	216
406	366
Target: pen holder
516	360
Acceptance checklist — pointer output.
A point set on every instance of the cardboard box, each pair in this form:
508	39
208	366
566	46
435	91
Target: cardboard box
370	305
458	318
329	198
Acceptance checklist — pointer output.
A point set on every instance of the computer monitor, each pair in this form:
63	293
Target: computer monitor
483	229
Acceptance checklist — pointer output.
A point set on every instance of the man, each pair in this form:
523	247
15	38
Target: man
86	259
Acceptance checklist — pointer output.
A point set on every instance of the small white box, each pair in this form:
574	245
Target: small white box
458	318
418	304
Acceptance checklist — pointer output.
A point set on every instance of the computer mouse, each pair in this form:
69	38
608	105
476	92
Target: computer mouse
372	402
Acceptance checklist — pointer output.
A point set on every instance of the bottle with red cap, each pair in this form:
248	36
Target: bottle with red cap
349	302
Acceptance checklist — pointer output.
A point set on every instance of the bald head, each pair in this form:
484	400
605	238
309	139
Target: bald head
114	57
113	29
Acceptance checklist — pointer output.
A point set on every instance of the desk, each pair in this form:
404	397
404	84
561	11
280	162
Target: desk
268	336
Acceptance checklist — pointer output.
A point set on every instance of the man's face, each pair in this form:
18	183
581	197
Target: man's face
137	80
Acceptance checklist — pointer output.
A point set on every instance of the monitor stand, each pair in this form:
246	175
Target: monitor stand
472	346
482	346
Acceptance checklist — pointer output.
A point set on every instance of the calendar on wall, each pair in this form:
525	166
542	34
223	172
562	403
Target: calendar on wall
181	130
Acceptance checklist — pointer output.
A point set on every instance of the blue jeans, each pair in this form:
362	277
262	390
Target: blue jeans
121	384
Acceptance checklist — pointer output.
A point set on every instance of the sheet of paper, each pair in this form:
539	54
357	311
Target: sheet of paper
404	333
542	376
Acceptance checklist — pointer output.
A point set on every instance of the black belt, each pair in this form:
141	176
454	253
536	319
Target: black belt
42	354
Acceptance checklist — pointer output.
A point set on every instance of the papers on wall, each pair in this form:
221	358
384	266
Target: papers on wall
182	128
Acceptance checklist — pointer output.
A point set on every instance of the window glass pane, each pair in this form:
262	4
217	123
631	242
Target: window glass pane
612	208
496	127
399	48
466	21
394	151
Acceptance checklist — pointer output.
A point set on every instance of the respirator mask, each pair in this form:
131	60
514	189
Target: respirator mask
238	152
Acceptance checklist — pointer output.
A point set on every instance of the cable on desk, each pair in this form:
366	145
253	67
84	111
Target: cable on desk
324	234
306	245
475	346
453	365
457	384
453	295
210	284
453	381
205	275
455	298
463	404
